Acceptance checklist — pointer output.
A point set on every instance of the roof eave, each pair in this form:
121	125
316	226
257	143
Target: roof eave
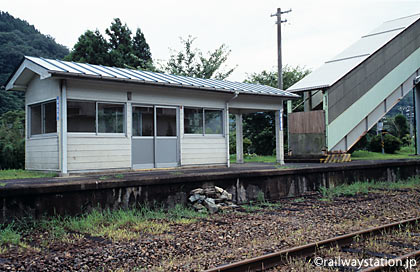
171	85
307	89
25	64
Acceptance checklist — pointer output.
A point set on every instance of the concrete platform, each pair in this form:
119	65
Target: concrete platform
75	194
171	172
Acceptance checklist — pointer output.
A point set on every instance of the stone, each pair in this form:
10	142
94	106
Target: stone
198	191
210	205
196	197
209	199
219	200
211	192
226	196
218	189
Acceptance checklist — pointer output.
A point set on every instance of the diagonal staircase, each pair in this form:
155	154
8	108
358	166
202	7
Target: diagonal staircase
361	116
360	85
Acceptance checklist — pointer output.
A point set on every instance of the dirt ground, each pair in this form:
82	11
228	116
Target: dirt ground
196	245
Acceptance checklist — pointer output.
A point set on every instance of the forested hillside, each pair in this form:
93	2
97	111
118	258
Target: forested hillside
19	38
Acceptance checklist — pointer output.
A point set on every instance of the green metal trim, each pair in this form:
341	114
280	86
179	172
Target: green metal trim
345	122
325	108
289	106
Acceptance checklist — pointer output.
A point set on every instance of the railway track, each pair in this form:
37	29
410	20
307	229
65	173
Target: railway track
355	246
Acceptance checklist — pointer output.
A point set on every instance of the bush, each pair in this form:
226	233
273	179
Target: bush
362	144
12	140
391	144
407	140
232	144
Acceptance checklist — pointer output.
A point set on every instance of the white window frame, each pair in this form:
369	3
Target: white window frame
204	134
97	133
139	106
42	134
81	133
124	119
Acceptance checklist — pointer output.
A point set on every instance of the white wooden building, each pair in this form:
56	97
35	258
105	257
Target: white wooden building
83	117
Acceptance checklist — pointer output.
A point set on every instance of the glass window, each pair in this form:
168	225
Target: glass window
81	116
213	121
143	121
166	121
36	124
193	121
43	118
50	117
110	118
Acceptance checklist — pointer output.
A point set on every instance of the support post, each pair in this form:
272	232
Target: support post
289	111
279	136
289	106
129	125
417	116
226	123
325	108
63	126
239	139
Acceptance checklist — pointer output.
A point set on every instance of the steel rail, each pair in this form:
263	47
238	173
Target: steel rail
266	261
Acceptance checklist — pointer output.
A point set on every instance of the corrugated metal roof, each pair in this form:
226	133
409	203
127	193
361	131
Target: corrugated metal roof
334	69
71	69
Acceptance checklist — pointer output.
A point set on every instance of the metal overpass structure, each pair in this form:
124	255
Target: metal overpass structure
349	94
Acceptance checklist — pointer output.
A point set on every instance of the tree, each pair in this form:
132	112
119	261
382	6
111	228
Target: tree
142	51
291	75
401	125
11	100
17	39
120	44
12	140
192	62
259	127
91	47
121	50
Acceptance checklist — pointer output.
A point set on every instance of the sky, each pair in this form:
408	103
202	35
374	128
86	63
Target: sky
315	31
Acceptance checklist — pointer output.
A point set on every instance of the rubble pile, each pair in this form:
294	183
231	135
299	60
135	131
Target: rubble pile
211	199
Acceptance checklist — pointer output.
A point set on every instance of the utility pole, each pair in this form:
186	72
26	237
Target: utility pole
279	113
279	60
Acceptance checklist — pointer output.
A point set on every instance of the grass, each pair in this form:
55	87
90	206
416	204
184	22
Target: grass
122	224
254	158
406	152
22	174
128	224
366	187
8	235
260	203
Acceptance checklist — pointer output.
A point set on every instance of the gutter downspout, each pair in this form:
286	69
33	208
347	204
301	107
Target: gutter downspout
63	127
227	126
